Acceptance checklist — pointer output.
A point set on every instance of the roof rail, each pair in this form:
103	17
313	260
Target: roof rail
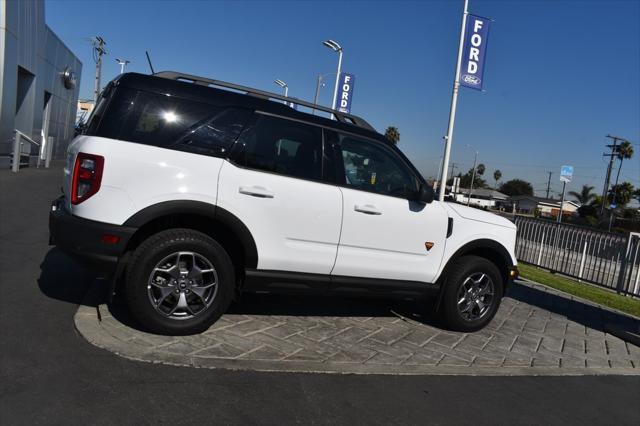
203	81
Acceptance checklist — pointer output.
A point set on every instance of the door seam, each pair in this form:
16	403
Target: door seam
335	260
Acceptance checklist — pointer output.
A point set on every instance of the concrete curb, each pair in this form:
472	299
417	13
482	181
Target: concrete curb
583	300
611	328
89	324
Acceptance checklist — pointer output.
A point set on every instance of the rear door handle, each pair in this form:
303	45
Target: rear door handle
256	191
367	209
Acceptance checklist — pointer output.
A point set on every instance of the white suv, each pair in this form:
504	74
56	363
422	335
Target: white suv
189	194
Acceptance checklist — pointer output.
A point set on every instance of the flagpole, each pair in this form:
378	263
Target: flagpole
452	111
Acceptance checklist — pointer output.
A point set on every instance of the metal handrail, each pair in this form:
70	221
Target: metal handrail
17	149
27	137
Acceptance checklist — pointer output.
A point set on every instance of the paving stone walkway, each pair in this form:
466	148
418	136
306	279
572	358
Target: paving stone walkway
536	331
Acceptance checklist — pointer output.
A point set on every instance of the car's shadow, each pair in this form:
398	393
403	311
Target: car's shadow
308	306
63	279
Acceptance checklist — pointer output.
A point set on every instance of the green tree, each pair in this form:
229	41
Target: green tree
480	169
393	134
516	187
623	151
621	194
585	195
497	175
465	180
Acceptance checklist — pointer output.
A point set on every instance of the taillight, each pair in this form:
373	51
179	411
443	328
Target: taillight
87	175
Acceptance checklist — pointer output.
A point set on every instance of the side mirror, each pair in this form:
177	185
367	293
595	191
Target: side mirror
425	194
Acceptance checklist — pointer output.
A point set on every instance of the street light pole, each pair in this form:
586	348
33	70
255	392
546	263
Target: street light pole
564	186
319	85
315	100
454	102
333	45
123	63
473	175
285	87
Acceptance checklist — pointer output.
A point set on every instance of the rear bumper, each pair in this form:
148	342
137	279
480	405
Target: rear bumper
92	243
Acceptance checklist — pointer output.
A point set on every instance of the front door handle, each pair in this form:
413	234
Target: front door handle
256	191
367	209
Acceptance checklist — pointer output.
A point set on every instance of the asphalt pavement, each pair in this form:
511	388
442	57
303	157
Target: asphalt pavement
50	375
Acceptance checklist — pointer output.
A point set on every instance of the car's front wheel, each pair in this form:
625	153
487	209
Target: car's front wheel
471	295
179	282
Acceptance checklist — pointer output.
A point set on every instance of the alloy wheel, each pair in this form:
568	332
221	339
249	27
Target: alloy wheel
182	285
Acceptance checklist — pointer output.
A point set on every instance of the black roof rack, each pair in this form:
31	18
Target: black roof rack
208	82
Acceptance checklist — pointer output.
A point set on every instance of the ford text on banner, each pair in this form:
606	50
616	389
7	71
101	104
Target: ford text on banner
475	48
345	92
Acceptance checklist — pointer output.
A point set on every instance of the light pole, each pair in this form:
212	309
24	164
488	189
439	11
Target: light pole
473	174
319	84
333	45
285	87
123	63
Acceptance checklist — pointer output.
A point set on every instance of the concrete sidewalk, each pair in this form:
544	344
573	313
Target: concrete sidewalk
537	331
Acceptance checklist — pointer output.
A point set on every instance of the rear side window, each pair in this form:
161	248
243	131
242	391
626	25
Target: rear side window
150	118
283	146
216	136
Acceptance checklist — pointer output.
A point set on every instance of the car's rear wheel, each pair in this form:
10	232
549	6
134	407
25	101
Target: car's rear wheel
471	295
179	282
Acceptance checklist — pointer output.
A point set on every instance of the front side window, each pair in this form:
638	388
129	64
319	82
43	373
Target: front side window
370	166
283	146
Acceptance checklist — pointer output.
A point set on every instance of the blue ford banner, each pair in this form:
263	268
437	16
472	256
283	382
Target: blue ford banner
475	48
345	92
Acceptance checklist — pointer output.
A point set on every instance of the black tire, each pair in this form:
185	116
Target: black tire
457	275
152	251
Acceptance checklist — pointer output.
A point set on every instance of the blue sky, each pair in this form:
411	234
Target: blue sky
559	75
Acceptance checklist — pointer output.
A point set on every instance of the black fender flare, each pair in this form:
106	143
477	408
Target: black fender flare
492	247
483	243
215	213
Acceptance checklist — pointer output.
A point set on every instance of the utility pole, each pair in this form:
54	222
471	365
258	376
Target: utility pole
473	177
612	156
98	44
549	183
451	169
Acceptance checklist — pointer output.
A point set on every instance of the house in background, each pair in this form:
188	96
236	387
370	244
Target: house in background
480	197
547	207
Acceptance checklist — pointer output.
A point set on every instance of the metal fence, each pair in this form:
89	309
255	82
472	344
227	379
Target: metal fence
604	258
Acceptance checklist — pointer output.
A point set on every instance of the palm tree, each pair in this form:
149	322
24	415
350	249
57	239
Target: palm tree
584	196
497	175
624	152
393	134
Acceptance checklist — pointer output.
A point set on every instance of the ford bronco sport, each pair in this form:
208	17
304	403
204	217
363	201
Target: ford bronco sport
187	191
